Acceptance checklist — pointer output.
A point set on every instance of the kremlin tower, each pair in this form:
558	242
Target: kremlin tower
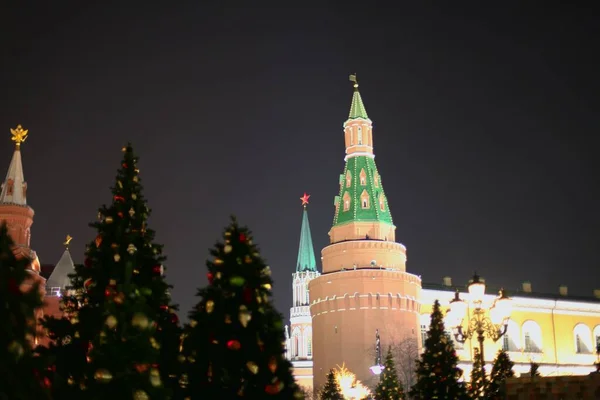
16	214
364	286
299	337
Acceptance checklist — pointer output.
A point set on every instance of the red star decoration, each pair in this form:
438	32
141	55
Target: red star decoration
305	199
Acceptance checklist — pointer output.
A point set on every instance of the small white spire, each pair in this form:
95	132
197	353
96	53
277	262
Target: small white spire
59	278
14	187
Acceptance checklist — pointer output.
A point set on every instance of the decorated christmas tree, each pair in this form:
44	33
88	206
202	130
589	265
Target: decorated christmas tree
331	390
502	369
437	372
119	337
19	379
234	344
478	383
389	387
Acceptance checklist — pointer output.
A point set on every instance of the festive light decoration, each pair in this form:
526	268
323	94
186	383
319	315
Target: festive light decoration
350	387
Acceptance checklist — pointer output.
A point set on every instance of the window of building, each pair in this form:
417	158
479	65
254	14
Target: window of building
376	180
532	337
363	177
506	342
364	199
423	333
360	139
309	347
346	201
597	338
9	187
583	339
348	179
381	202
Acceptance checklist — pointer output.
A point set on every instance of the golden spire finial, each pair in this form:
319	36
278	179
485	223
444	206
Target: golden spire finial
67	242
353	79
19	135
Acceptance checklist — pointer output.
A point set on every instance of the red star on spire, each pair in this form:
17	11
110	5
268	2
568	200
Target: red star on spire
304	199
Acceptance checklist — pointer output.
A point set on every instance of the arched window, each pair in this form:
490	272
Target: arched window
359	135
308	335
364	199
381	202
532	337
295	342
583	339
596	337
363	177
346	201
510	340
376	180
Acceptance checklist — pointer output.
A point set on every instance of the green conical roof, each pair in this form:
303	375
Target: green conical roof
357	109
361	181
306	252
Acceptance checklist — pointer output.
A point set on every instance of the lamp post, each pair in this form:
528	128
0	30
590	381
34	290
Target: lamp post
377	368
479	325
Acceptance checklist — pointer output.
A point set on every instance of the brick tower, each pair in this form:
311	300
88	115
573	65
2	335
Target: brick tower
364	285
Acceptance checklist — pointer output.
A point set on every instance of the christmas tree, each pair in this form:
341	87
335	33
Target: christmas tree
18	378
502	369
437	372
331	389
119	336
234	344
389	387
478	383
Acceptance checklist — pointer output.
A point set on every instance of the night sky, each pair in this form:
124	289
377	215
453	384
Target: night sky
485	128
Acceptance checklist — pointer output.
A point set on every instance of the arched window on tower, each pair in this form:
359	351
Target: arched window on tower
359	140
348	179
9	187
381	202
425	322
363	177
308	336
295	342
376	179
346	201
351	136
364	199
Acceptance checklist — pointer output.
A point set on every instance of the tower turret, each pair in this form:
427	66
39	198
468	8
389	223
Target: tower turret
364	287
14	210
299	337
361	207
59	278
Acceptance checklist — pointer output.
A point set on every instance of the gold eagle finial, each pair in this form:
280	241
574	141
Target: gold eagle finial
19	135
68	241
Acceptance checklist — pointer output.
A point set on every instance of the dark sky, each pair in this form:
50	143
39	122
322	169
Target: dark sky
486	128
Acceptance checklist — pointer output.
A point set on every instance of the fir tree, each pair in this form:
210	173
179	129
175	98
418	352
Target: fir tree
437	372
478	383
389	387
331	389
119	332
502	369
234	344
18	378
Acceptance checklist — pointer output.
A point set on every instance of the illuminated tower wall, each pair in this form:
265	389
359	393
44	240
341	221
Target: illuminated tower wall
364	285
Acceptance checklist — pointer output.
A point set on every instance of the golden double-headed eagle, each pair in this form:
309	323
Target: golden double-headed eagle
19	135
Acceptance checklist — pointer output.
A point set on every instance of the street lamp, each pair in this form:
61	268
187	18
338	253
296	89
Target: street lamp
478	323
377	368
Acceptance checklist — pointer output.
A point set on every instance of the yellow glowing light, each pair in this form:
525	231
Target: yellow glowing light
351	387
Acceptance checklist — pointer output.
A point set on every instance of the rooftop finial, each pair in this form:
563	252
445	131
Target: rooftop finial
304	199
353	79
67	242
19	135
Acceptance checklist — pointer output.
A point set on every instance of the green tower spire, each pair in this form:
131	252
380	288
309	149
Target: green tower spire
361	198
357	109
306	252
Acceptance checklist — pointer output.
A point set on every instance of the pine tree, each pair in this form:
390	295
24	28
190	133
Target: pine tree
331	389
478	383
120	330
437	372
502	369
235	342
389	387
18	378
